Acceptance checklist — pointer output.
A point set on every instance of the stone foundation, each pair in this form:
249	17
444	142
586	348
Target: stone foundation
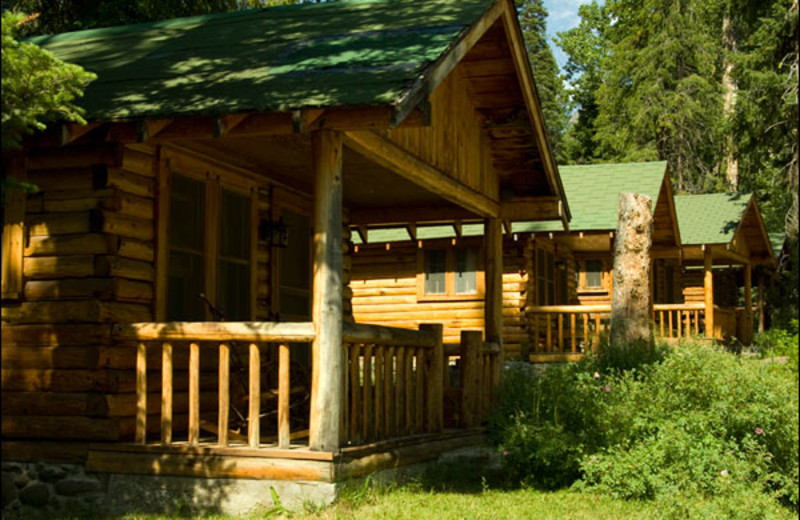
40	490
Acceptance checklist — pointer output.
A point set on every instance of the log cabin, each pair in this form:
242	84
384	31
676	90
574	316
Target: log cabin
724	241
176	297
556	281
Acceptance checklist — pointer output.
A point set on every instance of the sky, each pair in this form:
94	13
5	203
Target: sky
562	15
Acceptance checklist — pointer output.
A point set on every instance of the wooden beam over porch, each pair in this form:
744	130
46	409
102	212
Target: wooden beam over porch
391	156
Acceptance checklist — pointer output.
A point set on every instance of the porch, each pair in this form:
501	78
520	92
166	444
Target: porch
229	418
567	332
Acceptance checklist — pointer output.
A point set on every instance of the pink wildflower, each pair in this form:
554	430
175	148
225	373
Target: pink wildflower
724	472
505	453
759	431
607	388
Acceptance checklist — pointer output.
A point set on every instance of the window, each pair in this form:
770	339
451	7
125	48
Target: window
545	277
210	250
593	274
451	273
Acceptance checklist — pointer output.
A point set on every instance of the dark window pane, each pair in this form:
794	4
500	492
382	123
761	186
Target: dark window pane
187	213
235	225
594	271
435	268
561	282
185	276
184	285
233	280
540	267
466	271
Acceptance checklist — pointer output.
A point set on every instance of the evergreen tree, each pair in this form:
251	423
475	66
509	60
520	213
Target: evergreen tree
549	84
585	46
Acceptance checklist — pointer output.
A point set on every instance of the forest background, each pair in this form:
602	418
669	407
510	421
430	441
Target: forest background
710	86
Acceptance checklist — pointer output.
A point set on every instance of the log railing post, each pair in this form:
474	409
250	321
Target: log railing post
224	393
493	230
166	393
141	393
471	346
194	393
436	375
284	383
327	352
254	398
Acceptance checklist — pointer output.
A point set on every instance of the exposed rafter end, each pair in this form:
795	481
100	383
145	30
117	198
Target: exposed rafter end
363	232
411	228
507	227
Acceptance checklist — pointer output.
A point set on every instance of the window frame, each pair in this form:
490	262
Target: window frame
604	276
450	272
215	178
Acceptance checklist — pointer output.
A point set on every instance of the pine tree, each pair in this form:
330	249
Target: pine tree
549	84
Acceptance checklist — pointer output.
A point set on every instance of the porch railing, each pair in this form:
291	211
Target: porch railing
394	382
209	339
579	329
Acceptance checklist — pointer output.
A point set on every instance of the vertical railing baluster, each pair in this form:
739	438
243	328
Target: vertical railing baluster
573	332
254	408
379	397
389	392
669	325
366	399
141	393
355	393
194	393
166	393
561	346
224	394
284	381
421	382
400	391
409	386
586	346
549	332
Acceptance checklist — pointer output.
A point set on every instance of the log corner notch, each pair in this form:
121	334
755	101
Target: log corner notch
631	305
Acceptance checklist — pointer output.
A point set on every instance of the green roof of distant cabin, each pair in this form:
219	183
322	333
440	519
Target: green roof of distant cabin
593	193
346	53
710	219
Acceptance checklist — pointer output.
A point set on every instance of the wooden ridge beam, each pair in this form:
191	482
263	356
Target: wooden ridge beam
389	155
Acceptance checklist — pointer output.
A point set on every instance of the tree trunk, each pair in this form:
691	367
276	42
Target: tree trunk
729	89
631	305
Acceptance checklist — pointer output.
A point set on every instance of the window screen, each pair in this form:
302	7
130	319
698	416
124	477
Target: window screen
435	271
233	290
594	271
186	250
466	273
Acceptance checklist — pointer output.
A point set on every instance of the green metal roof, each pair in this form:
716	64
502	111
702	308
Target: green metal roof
593	193
347	53
777	240
400	234
710	219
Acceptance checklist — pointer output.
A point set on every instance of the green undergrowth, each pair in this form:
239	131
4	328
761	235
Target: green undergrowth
700	433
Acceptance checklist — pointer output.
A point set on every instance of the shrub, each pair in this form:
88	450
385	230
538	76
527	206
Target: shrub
777	342
545	424
700	414
703	432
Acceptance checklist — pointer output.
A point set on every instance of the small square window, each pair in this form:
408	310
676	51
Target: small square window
594	274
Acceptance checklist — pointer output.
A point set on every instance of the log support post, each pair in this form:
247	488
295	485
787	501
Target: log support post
708	290
326	311
436	376
471	353
762	319
748	304
493	231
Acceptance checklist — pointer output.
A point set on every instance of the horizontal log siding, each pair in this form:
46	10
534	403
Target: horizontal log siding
454	142
384	292
88	262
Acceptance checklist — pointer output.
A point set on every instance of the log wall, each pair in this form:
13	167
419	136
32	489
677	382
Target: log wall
384	291
88	261
454	142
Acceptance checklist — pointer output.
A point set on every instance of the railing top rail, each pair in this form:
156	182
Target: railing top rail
568	308
380	335
679	306
252	331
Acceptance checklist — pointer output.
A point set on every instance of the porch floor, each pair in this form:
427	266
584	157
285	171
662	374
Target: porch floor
297	463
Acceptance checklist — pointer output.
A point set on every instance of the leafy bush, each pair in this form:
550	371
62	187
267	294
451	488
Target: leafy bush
778	342
703	432
544	425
